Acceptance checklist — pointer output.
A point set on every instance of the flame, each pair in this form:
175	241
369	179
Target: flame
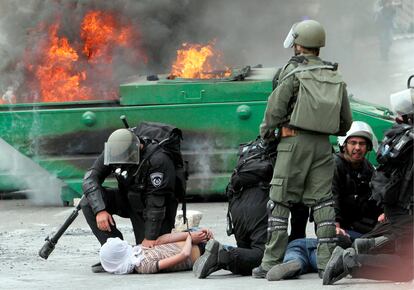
58	79
60	70
199	61
100	32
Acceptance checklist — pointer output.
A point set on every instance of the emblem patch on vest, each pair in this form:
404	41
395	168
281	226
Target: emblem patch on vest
156	178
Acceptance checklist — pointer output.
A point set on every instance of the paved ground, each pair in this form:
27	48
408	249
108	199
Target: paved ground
24	226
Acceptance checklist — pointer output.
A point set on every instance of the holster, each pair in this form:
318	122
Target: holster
287	132
153	222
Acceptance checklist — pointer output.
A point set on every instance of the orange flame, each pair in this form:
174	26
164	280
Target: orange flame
58	79
100	33
198	61
65	71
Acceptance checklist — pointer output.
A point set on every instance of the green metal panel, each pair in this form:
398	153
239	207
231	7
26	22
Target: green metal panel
215	116
173	92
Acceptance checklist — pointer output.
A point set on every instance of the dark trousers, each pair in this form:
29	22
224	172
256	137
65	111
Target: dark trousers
118	204
386	265
249	217
299	215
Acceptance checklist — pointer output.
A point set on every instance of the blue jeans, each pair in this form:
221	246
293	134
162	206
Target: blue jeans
353	234
304	251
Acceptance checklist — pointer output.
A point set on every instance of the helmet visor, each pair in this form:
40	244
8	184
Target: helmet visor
290	37
402	102
121	153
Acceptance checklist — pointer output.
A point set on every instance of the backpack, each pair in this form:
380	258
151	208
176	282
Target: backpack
254	166
319	100
168	138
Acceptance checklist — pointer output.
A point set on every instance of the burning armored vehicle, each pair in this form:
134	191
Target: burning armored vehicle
49	138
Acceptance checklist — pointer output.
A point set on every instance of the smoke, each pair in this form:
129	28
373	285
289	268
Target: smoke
248	33
43	187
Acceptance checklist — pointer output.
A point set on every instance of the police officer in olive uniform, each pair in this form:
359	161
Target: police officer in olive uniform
145	192
304	165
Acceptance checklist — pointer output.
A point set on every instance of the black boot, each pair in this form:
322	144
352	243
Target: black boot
259	272
339	265
288	270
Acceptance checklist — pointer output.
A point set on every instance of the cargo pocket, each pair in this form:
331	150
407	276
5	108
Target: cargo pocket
278	189
284	160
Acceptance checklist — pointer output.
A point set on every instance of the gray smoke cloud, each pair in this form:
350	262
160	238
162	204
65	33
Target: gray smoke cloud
247	32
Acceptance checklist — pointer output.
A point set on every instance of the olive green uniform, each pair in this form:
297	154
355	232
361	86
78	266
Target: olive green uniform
303	171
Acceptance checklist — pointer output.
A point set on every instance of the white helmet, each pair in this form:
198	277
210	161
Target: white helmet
360	129
402	102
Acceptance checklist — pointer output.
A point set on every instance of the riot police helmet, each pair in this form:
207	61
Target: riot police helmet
307	33
360	129
122	147
402	102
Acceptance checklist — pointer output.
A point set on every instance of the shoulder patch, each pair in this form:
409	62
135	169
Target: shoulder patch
156	178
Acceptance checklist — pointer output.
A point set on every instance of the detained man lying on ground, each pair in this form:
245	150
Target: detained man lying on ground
300	258
171	252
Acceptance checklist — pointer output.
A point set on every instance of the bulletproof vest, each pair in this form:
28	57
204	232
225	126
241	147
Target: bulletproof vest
167	138
392	183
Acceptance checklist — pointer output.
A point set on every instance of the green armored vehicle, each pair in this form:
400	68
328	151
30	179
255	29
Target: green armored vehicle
50	145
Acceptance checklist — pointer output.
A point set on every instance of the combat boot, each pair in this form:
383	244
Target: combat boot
339	265
209	261
286	270
259	272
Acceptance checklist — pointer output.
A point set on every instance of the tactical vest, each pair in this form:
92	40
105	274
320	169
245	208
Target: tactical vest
392	183
167	138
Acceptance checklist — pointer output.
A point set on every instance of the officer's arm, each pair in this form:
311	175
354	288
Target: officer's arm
160	187
345	121
92	184
277	105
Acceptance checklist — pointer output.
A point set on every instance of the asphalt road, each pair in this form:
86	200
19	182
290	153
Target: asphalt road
24	226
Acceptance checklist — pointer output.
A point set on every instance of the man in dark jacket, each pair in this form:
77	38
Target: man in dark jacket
356	214
146	180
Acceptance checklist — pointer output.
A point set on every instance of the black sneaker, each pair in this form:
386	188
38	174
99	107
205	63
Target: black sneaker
286	270
259	272
97	268
208	262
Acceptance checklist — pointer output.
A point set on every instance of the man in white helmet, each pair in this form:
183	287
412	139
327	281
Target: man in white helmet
392	187
309	103
356	214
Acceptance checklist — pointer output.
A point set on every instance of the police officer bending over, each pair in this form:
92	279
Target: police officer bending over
145	192
309	103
